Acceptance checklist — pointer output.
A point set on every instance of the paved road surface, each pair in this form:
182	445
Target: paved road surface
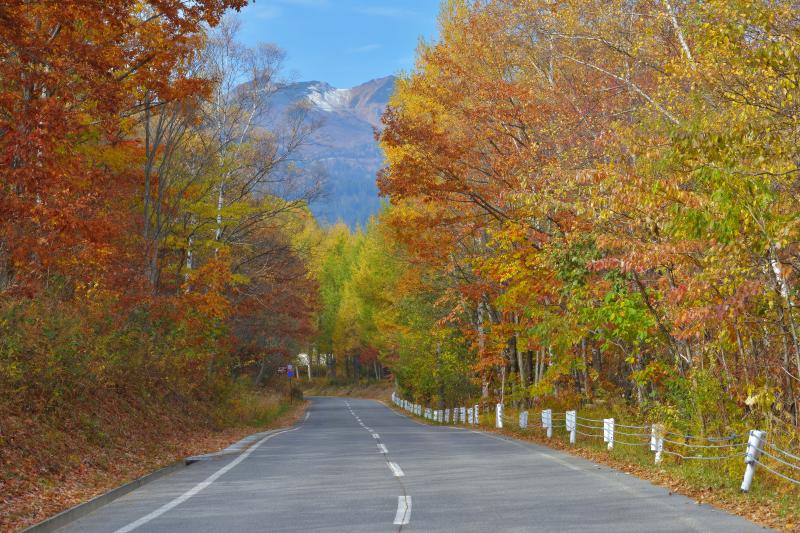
358	466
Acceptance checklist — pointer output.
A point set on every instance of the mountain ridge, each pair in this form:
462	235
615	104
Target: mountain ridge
344	147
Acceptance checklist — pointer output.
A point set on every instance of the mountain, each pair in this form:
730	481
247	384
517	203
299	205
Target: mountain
344	146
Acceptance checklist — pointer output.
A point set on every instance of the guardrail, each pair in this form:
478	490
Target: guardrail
755	450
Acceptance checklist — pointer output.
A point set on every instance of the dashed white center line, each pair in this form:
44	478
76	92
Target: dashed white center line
403	515
403	510
395	468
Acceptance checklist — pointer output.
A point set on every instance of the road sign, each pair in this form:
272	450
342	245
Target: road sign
290	371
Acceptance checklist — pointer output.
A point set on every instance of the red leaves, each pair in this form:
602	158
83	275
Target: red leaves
71	70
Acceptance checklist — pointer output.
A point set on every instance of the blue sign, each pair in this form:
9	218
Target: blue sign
290	371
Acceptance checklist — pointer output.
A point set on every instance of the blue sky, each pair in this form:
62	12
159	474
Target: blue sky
342	42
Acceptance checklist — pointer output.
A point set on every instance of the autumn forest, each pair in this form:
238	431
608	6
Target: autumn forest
585	203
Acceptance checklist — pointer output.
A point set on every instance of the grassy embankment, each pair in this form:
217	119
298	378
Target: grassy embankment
50	463
371	389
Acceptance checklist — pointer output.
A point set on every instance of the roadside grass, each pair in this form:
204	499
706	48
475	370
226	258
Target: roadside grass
771	502
370	389
256	409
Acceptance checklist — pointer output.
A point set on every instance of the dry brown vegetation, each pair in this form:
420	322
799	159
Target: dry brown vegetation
50	464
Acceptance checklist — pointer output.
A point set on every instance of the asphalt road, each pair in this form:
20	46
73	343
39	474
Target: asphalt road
358	466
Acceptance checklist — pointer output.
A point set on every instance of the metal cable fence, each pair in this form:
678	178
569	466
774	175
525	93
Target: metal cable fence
755	450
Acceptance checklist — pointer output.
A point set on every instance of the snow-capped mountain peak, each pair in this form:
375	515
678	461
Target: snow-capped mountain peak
344	146
328	98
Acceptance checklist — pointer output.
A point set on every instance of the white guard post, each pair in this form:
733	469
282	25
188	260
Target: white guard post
571	426
463	415
754	444
608	432
477	417
523	420
447	416
657	441
498	417
469	416
547	422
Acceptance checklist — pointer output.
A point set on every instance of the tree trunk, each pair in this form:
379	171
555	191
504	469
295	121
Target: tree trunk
262	373
586	385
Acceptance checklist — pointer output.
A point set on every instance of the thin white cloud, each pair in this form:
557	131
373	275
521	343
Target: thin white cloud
385	11
268	12
364	49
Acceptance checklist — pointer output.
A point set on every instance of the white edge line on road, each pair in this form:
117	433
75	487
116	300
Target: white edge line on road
375	436
382	448
687	520
200	486
308	413
395	468
403	515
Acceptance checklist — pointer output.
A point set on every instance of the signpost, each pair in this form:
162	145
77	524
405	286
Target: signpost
290	375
